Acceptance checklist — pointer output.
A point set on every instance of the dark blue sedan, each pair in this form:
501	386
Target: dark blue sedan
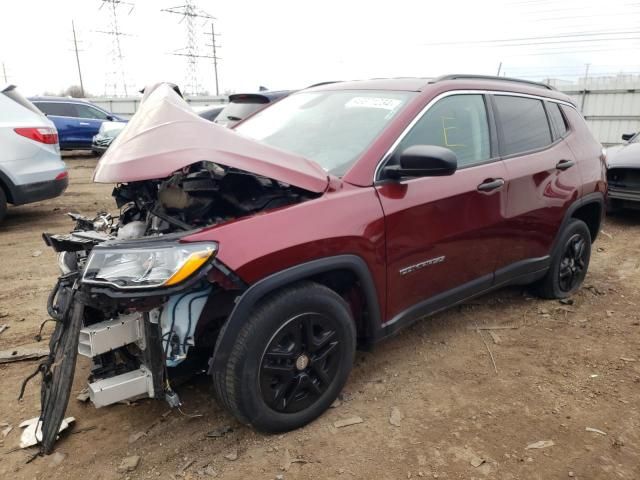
77	121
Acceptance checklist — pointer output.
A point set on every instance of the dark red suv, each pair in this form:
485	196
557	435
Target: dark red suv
325	222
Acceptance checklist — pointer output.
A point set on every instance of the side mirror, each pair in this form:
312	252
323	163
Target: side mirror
111	118
424	161
627	136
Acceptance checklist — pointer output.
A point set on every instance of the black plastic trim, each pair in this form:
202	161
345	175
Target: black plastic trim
260	289
522	272
435	304
594	197
35	192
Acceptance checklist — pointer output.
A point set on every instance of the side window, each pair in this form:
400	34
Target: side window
558	123
86	111
458	122
56	108
524	124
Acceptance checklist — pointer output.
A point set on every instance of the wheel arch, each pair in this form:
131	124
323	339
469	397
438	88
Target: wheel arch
589	209
7	186
320	270
591	212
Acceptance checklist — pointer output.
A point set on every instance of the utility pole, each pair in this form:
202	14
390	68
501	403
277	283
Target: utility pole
215	56
4	71
75	45
584	91
499	68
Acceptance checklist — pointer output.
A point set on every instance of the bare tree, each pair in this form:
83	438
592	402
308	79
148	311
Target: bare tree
74	91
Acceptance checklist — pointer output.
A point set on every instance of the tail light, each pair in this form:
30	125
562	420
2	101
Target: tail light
46	135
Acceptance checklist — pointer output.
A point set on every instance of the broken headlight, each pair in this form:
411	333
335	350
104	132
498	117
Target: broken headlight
163	265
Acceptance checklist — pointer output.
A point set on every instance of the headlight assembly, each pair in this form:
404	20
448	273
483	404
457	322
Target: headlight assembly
163	265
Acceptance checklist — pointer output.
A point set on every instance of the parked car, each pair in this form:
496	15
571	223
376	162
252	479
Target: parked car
110	130
210	112
30	166
77	120
623	173
106	134
242	105
267	253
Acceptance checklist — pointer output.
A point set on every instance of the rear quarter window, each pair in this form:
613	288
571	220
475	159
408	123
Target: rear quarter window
558	122
523	123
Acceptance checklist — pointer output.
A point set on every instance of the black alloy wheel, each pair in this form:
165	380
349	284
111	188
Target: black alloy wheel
573	263
299	363
290	359
569	262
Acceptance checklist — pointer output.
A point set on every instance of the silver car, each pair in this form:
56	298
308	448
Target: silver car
30	165
623	173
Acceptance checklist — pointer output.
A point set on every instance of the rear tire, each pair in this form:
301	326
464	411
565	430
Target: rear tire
570	262
3	204
290	360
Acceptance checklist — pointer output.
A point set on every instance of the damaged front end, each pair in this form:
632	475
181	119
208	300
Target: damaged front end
143	305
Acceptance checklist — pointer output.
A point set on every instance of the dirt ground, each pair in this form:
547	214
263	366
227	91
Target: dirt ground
560	370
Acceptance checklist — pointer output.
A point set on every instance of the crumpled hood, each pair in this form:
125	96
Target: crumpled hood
627	155
165	135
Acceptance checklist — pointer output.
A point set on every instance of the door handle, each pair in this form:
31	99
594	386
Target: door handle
564	164
85	124
491	184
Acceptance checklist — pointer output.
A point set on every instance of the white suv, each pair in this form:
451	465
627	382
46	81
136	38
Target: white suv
30	165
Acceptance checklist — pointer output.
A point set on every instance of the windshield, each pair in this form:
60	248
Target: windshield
332	128
635	138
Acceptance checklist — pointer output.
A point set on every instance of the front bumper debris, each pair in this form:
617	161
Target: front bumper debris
58	368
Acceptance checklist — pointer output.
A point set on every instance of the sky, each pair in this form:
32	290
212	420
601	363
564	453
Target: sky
292	44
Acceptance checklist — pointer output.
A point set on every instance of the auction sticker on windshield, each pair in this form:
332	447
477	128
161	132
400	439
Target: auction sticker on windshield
373	102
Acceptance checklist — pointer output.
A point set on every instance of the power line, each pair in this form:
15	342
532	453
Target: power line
549	37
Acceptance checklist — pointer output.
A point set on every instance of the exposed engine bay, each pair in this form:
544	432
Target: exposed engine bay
200	195
143	307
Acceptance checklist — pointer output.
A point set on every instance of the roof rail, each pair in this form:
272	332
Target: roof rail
491	77
319	84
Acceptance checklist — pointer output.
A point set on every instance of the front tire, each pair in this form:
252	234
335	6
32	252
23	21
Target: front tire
570	262
3	204
290	360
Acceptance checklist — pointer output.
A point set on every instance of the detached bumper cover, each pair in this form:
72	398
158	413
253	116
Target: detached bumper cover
35	192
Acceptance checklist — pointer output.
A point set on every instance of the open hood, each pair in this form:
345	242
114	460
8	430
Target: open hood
165	135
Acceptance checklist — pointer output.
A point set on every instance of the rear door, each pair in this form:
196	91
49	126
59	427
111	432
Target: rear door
444	233
542	179
63	116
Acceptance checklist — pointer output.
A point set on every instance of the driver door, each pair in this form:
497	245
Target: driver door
444	233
